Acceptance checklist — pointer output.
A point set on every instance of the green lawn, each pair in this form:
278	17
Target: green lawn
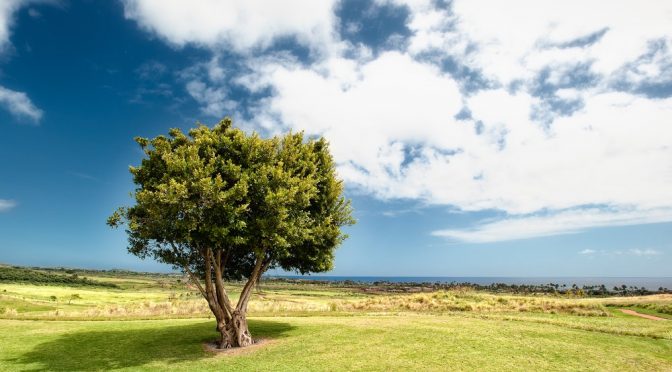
418	342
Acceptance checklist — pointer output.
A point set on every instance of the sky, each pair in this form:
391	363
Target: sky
475	138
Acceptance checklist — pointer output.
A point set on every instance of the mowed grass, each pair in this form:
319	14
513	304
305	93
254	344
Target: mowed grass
382	343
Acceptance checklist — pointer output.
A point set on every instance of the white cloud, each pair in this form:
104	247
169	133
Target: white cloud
6	205
394	135
7	9
375	114
566	222
240	24
629	252
214	101
19	104
516	39
644	252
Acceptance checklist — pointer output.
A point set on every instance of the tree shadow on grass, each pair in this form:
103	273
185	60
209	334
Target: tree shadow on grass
132	345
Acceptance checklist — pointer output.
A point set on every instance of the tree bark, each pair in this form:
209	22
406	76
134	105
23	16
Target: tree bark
236	332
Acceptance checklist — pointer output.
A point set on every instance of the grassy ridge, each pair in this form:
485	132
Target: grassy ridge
12	274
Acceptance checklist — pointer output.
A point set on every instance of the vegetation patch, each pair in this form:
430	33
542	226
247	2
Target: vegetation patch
473	301
14	274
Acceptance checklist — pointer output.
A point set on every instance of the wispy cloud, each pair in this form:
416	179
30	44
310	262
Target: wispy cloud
84	176
647	252
400	212
567	222
644	252
6	205
19	105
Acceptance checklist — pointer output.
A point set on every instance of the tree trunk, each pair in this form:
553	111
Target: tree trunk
231	323
235	333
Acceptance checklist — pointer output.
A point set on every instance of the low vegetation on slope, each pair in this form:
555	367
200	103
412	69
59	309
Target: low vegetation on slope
13	274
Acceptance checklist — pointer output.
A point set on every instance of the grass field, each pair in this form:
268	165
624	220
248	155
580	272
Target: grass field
158	323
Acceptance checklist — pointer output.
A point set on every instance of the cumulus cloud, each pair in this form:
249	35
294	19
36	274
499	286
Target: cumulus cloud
391	122
240	24
6	205
378	115
516	39
557	135
19	105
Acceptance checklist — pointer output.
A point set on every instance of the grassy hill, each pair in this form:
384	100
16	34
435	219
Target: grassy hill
15	274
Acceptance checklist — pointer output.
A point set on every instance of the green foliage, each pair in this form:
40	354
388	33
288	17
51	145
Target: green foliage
23	275
276	200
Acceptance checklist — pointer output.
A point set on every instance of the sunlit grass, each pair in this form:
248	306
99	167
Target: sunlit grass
408	342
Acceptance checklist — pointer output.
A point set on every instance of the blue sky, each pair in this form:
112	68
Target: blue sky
533	139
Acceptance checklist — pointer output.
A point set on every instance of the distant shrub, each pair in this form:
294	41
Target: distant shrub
74	296
8	311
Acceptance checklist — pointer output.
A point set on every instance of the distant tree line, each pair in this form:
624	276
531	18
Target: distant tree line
550	288
17	274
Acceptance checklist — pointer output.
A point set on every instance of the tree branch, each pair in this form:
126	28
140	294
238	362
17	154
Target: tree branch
193	277
215	306
247	289
195	280
219	285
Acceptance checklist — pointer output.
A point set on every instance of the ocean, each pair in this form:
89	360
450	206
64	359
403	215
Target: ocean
609	282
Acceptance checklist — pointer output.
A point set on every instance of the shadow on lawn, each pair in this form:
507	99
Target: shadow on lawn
105	350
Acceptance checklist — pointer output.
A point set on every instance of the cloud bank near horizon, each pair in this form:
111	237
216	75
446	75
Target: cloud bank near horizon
539	109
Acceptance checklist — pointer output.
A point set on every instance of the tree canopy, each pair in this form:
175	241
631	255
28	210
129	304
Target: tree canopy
221	204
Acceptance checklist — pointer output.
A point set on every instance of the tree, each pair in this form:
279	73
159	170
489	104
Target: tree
74	296
223	205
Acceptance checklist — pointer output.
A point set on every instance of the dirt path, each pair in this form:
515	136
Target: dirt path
647	316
